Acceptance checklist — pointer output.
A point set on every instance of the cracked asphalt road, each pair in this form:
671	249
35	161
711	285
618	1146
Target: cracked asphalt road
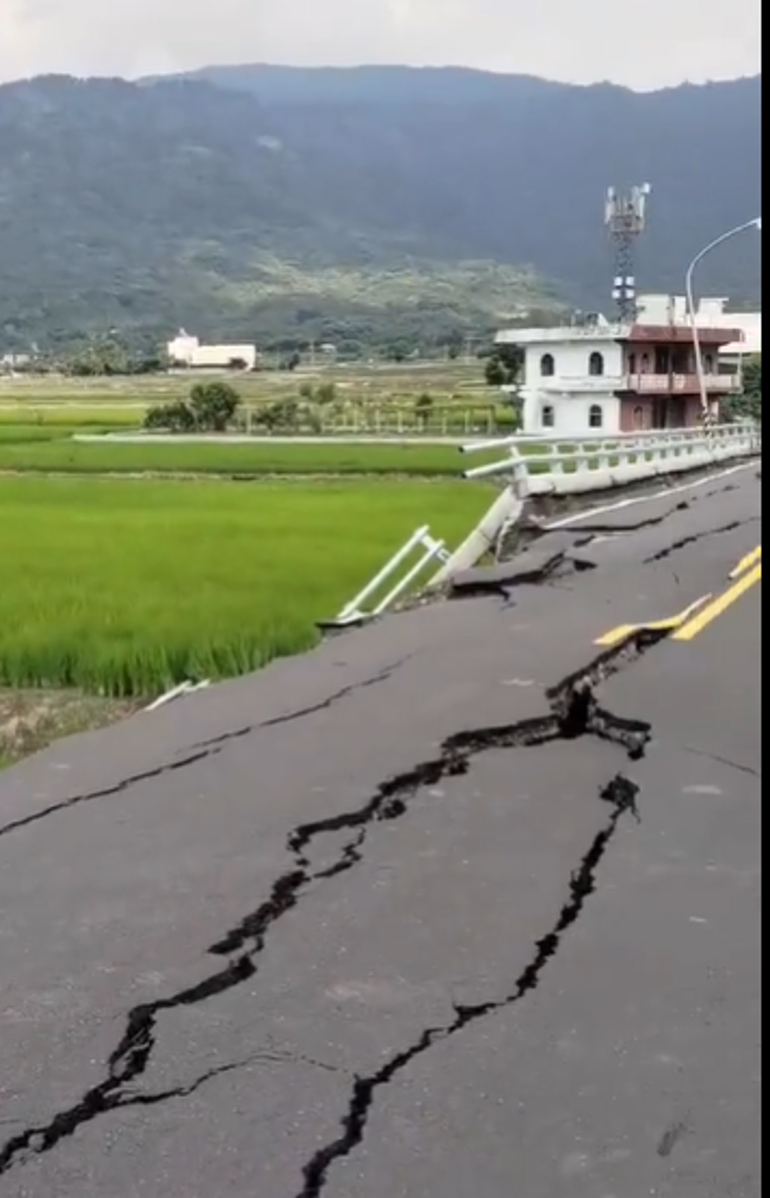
461	903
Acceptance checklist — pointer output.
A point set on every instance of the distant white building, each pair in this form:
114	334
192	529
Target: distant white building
594	375
15	361
187	351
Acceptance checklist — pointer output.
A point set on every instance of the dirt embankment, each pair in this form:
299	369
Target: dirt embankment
32	719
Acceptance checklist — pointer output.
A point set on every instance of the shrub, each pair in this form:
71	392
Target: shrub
210	409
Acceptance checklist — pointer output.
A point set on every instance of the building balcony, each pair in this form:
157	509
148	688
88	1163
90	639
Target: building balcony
581	384
681	384
639	384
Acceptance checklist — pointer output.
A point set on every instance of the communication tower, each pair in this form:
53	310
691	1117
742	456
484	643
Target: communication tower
625	218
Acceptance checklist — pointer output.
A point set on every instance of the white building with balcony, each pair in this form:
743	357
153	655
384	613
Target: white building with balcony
594	375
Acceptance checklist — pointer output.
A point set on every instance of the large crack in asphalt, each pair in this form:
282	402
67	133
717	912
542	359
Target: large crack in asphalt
520	535
200	751
693	538
573	713
301	713
621	794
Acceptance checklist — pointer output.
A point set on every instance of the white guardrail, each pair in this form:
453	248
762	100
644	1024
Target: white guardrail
554	465
560	466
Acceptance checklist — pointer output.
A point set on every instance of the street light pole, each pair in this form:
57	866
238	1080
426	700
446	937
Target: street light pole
756	223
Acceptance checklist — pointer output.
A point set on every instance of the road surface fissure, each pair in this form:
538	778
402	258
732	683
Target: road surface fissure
698	536
523	534
621	794
573	713
199	752
558	565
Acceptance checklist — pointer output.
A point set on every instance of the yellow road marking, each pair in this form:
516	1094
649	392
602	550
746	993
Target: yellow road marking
749	560
623	631
719	605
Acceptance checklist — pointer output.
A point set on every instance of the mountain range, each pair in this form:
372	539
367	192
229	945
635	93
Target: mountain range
276	203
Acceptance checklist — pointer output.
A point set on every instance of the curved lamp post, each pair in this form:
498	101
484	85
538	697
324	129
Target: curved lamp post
756	223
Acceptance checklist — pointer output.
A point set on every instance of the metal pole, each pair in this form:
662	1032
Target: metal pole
756	223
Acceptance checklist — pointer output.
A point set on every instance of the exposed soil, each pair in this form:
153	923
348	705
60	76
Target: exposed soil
32	719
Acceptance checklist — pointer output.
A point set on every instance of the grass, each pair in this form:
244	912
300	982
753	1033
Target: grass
25	454
122	587
66	418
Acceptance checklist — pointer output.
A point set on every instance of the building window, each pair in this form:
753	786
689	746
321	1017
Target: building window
632	363
548	417
639	416
596	364
547	365
595	416
708	364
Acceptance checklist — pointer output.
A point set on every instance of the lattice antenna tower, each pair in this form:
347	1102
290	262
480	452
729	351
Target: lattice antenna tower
626	219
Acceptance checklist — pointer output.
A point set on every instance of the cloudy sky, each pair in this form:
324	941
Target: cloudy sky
644	45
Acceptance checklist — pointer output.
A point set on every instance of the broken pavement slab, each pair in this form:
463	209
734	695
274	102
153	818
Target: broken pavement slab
540	560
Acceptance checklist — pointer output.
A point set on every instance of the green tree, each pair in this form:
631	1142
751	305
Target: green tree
504	365
213	405
494	371
752	387
326	393
749	403
512	359
284	413
174	417
210	409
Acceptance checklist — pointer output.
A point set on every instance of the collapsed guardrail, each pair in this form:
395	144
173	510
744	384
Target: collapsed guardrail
354	612
553	465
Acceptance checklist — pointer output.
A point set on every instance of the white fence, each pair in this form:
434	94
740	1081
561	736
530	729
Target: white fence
551	466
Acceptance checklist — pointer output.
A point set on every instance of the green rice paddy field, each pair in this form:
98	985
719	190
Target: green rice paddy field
124	586
34	451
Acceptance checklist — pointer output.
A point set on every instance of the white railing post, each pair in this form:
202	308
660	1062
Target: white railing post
355	605
506	510
354	612
433	548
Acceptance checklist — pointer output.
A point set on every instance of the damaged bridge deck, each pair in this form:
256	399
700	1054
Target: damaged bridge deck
463	903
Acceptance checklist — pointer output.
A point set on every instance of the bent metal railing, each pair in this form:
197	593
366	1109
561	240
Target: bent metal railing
355	612
552	465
